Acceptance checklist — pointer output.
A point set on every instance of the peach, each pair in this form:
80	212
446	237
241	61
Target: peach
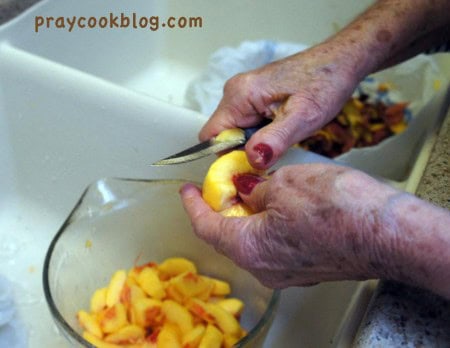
177	314
231	134
115	288
97	342
221	287
89	323
225	321
212	338
219	190
232	305
193	337
174	266
167	305
149	281
168	337
131	293
127	335
147	312
98	300
113	318
199	309
192	285
230	341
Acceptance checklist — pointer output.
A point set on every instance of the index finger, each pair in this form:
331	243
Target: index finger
227	116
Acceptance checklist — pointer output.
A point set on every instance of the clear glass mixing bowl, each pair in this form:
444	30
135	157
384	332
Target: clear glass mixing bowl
116	222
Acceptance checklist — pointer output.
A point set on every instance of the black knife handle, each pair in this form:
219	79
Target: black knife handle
252	130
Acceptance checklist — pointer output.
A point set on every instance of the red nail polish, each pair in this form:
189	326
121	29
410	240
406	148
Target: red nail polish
264	151
246	183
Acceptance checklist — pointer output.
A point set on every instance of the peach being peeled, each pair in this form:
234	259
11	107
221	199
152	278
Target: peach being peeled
219	189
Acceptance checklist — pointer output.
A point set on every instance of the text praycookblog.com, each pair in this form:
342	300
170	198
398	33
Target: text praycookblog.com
116	21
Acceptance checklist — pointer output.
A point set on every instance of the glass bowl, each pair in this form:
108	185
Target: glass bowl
119	221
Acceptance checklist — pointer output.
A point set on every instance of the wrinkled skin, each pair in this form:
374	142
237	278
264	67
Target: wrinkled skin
301	93
320	222
305	91
307	228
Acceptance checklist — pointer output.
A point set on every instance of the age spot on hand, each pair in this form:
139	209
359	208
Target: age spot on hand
384	36
311	180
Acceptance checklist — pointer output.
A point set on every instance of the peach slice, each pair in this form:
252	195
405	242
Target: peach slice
221	287
224	320
212	338
191	285
115	287
98	300
167	305
177	314
147	312
174	266
232	305
219	190
89	323
113	318
149	281
168	337
97	342
126	335
193	337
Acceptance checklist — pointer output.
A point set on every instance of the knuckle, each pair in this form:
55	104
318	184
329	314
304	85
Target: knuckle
240	81
231	84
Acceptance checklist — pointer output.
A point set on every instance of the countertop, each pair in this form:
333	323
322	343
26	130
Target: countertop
398	315
402	316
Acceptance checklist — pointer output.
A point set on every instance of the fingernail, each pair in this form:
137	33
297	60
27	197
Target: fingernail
185	188
265	153
246	183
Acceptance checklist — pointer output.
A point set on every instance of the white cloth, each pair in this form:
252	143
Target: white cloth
205	92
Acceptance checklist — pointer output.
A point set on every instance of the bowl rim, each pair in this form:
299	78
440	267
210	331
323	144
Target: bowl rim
67	328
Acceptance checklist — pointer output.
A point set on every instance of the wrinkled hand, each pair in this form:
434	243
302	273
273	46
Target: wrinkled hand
314	223
301	93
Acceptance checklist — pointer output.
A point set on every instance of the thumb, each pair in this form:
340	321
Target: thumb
295	120
252	190
203	218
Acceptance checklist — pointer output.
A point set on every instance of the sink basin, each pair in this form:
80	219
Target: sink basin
82	105
62	129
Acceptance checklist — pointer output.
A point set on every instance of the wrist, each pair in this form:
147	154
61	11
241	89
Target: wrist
421	256
392	234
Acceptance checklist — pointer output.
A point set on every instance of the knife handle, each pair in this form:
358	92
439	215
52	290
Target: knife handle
248	132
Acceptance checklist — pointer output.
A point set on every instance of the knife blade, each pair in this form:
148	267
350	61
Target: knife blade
225	140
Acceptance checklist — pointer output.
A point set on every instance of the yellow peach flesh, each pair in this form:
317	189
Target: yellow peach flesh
218	187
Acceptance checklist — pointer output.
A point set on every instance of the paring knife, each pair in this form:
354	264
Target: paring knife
225	140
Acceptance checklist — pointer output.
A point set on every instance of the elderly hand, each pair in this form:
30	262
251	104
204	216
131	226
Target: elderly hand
317	222
311	86
314	223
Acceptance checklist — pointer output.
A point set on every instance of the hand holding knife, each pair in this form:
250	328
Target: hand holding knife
225	140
